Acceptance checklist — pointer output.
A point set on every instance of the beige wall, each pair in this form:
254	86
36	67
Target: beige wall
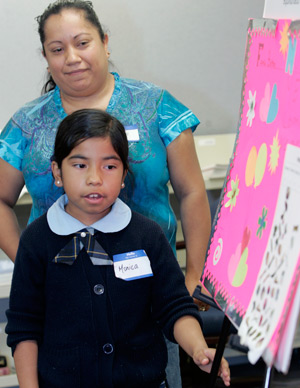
193	48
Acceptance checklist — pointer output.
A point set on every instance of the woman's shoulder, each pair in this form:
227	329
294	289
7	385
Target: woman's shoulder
45	111
34	108
136	84
36	103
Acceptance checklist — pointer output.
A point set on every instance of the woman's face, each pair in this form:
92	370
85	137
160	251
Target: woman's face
77	58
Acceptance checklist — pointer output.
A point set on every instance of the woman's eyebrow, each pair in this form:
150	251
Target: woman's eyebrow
75	37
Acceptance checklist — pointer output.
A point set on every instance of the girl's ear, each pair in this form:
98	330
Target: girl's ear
123	179
124	175
56	172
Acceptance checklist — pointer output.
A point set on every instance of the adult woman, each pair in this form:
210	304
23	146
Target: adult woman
76	50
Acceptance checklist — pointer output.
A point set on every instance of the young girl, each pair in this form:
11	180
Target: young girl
96	285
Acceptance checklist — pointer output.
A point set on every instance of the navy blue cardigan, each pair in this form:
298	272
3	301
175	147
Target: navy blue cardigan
104	336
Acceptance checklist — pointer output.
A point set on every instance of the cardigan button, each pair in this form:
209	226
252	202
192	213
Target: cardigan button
99	289
108	348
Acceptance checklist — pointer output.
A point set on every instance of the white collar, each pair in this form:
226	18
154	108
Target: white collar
62	223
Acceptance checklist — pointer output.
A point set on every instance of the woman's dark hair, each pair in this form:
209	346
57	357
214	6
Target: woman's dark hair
85	124
55	9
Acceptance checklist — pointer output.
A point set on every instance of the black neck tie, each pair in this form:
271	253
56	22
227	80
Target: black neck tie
83	240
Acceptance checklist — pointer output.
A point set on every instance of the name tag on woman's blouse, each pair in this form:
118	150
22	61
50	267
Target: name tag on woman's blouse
132	133
132	265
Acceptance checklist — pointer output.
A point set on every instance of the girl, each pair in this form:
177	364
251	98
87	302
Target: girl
95	284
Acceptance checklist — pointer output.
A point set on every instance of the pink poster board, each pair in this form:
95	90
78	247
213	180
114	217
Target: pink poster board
252	264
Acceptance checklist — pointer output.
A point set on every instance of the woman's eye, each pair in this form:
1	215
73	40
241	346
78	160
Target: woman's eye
83	43
57	50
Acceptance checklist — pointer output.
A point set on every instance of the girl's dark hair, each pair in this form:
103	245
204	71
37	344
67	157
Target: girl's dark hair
55	9
85	124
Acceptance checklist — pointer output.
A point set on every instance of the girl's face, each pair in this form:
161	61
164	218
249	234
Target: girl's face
91	175
77	58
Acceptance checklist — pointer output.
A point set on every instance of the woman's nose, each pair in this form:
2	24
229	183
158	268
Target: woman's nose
72	56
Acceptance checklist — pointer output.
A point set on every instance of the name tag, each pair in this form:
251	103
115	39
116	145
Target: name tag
132	265
132	133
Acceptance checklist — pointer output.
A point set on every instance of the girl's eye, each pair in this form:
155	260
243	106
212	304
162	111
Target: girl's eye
79	165
110	167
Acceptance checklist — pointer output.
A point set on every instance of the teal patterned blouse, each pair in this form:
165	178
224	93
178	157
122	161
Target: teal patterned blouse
27	143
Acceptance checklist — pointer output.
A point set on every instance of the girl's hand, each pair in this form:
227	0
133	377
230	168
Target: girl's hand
203	358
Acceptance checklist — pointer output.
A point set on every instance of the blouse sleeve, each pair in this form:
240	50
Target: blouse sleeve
25	316
174	118
171	299
12	144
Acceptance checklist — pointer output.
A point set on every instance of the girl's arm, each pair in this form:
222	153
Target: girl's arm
25	357
11	183
189	188
189	336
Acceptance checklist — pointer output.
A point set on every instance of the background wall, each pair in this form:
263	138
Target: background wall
193	48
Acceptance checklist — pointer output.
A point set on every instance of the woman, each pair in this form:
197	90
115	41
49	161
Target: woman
158	126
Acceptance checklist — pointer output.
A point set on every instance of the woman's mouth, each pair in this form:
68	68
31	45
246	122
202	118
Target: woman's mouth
75	72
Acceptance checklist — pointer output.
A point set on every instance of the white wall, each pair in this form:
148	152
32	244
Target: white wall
193	48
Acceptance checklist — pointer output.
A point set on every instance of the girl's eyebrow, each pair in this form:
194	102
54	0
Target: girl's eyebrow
108	157
114	157
78	156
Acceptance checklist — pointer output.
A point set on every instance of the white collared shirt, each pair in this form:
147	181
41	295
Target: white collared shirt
62	223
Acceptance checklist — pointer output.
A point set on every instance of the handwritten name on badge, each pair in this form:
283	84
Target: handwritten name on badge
132	265
132	133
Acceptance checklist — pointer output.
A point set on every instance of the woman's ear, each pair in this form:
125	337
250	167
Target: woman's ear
105	43
44	55
56	172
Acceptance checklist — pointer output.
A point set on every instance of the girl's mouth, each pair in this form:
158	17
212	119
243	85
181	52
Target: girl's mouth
94	195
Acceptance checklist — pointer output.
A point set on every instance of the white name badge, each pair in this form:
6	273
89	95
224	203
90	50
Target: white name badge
132	265
132	133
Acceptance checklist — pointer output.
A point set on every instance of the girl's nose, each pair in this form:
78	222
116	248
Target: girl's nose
94	177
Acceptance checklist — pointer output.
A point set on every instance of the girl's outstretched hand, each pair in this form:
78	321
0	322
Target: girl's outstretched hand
203	359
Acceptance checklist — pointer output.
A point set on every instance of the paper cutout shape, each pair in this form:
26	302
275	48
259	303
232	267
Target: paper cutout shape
262	222
256	165
265	103
269	104
273	108
274	154
238	267
218	252
289	67
284	41
251	111
233	193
